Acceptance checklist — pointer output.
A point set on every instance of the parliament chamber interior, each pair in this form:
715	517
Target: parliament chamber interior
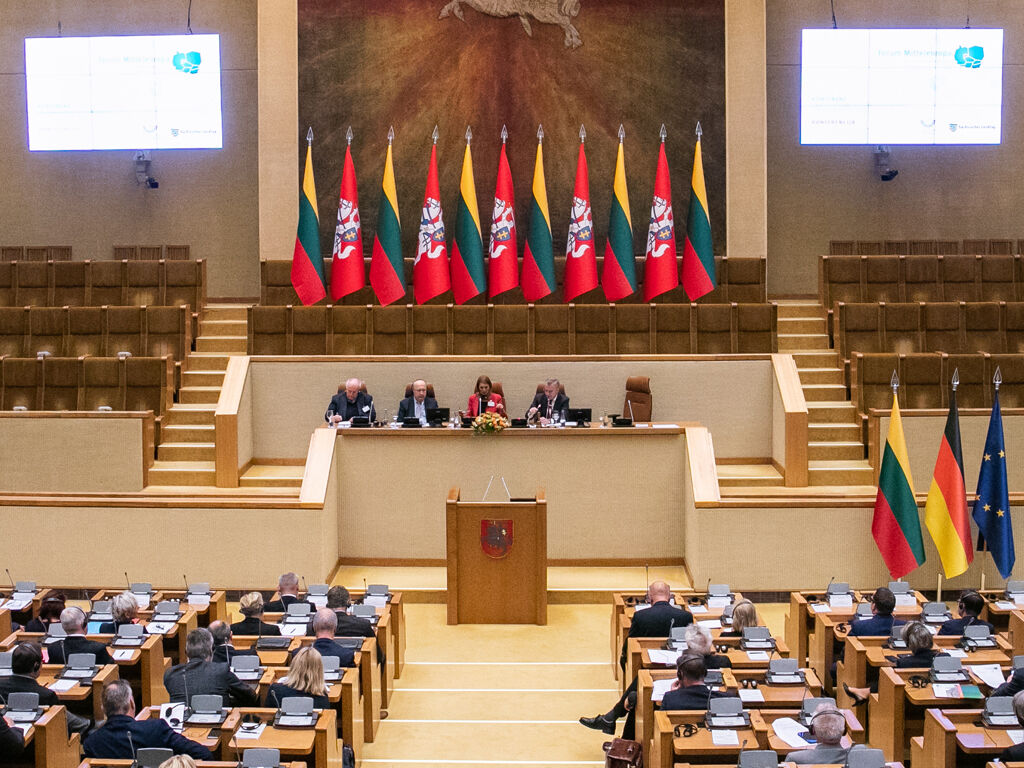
290	476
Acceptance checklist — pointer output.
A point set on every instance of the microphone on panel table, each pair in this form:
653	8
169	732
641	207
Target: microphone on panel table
631	416
507	491
488	489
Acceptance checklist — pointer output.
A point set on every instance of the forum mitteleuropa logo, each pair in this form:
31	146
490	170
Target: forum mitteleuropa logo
187	62
969	57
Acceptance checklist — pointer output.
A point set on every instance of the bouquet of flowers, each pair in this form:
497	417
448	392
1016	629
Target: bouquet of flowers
489	423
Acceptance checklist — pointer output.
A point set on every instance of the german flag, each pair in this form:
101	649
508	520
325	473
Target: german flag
386	269
307	265
945	512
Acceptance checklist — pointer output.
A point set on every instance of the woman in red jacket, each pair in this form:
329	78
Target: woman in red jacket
492	402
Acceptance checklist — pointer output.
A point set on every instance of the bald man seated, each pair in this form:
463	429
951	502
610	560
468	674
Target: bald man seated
350	402
417	404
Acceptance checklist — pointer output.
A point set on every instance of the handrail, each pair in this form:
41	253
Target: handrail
700	456
319	463
226	421
787	380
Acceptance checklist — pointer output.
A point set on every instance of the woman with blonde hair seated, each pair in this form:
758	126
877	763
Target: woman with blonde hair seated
178	761
251	606
744	615
125	609
305	678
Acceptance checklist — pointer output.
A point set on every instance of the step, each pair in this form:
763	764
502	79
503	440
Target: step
790	325
187	451
835	450
223	327
232	344
197	395
208	361
273	476
234	312
752	475
792	342
188	433
202	378
183	473
835	412
814	376
846	472
824	392
793	309
834	432
825	358
191	413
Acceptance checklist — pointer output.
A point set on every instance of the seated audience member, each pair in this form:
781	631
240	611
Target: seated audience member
305	678
698	640
325	622
125	609
49	613
200	675
883	603
744	615
12	741
251	606
549	405
223	650
350	402
969	607
288	593
688	691
1014	754
26	661
339	600
658	620
919	643
73	620
492	402
417	403
827	726
112	741
178	761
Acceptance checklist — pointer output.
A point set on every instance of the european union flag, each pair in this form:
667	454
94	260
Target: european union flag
992	505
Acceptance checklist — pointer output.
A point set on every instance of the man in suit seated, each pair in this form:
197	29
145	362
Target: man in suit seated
223	650
26	661
325	622
288	593
251	606
351	401
969	607
339	600
688	691
417	404
883	603
201	675
73	620
827	726
1015	754
112	741
12	740
550	405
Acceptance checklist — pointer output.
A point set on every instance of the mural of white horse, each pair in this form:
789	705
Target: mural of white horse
560	12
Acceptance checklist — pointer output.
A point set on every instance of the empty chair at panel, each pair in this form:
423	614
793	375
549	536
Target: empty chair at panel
177	253
107	283
69	282
103	383
942	327
633	329
975	247
674	328
13	330
870	377
85	331
947	247
638	404
756	327
1011	368
125	328
469	330
511	329
921	278
998	277
390	330
858	328
895	247
960	278
61	383
881	278
32	281
921	384
151	252
840	279
47	330
872	248
126	252
430	329
149	384
593	329
998	246
143	283
715	331
276	283
21	383
268	330
168	332
973	391
550	329
37	253
1014	326
983	331
923	248
348	330
185	283
901	327
6	284
840	247
746	279
309	330
12	253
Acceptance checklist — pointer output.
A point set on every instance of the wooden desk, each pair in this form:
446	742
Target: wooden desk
47	742
5	624
93	762
85	700
951	738
854	729
205	614
213	738
668	748
30	611
638	655
318	745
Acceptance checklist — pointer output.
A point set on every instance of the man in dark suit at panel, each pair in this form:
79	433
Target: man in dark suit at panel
970	607
658	620
288	593
883	603
417	403
350	402
689	691
26	661
73	620
223	650
325	622
549	405
200	675
122	735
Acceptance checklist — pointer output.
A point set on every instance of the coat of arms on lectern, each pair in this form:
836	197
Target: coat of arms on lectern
496	537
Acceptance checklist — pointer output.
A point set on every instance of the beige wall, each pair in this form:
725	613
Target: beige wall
818	193
90	200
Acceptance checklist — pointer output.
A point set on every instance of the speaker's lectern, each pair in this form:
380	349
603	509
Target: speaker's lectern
497	561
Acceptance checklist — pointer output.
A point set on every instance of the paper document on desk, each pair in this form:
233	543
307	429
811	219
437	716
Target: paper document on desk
293	630
1005	605
757	655
122	654
663	426
725	738
748	696
377	601
1016	735
16	605
255	733
659	656
695	609
789	730
957	653
660	687
841	601
200	601
61	686
990	674
159	627
710	623
821	607
946	691
906	601
718	602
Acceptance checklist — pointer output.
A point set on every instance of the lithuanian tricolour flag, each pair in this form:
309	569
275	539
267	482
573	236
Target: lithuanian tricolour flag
896	525
468	276
386	269
307	265
538	278
618	276
698	276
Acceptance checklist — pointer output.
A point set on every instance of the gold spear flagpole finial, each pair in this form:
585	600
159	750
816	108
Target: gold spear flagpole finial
583	133
469	134
540	133
391	134
348	135
997	378
663	133
699	131
622	133
504	134
956	378
435	134
309	136
894	382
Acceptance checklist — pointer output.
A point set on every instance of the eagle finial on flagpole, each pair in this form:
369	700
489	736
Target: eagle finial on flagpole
956	378
391	135
894	382
663	133
622	133
435	134
348	136
997	378
504	134
309	136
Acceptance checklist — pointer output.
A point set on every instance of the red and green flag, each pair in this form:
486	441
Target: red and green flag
347	272
896	526
468	276
307	265
538	257
945	511
618	277
698	256
430	269
386	270
580	257
503	251
661	271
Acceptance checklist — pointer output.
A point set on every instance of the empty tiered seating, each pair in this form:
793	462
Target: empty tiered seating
35	253
151	252
920	247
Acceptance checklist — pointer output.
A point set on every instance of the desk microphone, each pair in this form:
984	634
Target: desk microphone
488	489
10	578
507	492
129	581
631	418
827	587
739	756
131	745
185	579
234	744
647	576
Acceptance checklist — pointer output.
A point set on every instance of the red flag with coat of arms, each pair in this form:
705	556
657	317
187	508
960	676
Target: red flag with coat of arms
503	253
580	256
430	275
347	272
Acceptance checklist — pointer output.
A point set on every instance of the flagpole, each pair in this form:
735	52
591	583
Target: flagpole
938	591
997	379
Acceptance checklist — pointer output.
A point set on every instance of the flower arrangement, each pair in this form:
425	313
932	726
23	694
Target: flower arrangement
489	423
